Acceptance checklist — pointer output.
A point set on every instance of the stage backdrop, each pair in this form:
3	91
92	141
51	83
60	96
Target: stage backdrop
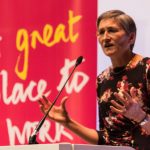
39	44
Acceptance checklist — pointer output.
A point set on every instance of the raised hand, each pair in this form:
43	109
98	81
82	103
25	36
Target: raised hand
57	113
130	105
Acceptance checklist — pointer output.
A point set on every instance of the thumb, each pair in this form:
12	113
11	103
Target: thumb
63	102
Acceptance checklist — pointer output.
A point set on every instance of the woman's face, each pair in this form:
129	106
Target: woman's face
113	38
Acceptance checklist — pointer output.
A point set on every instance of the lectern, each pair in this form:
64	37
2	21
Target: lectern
38	147
99	147
64	147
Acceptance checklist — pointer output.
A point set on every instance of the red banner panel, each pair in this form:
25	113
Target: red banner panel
39	44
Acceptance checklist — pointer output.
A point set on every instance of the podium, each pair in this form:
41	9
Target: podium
100	147
63	146
38	147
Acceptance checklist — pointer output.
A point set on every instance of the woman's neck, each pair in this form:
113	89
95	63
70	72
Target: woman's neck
122	60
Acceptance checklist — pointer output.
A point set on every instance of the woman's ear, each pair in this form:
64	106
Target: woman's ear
132	37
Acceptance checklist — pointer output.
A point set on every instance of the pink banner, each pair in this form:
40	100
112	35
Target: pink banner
39	44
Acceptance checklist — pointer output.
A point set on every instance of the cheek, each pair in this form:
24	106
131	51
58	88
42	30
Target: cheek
122	41
100	41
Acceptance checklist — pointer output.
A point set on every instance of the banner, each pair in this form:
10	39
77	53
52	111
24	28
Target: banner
39	44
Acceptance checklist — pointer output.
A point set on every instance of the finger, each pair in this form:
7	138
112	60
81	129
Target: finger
63	102
127	97
120	97
126	94
40	102
44	104
41	106
46	100
118	111
117	105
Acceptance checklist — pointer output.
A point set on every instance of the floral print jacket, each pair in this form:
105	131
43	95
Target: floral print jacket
115	129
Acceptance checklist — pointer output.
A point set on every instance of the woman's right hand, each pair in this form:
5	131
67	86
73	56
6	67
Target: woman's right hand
57	113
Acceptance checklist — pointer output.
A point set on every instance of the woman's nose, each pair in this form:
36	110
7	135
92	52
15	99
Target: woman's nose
106	35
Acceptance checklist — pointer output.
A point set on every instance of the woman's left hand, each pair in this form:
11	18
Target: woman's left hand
129	107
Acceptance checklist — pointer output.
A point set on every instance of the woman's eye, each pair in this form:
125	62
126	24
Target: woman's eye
112	30
101	32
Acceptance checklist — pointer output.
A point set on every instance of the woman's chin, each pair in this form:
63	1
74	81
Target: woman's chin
110	53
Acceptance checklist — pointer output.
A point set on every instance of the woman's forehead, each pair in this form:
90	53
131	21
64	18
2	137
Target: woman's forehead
110	22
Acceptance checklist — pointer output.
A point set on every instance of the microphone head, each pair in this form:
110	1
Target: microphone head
79	60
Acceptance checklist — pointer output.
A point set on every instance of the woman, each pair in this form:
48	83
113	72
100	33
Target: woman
123	89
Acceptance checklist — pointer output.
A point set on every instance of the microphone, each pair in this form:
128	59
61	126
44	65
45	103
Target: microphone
32	138
78	61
